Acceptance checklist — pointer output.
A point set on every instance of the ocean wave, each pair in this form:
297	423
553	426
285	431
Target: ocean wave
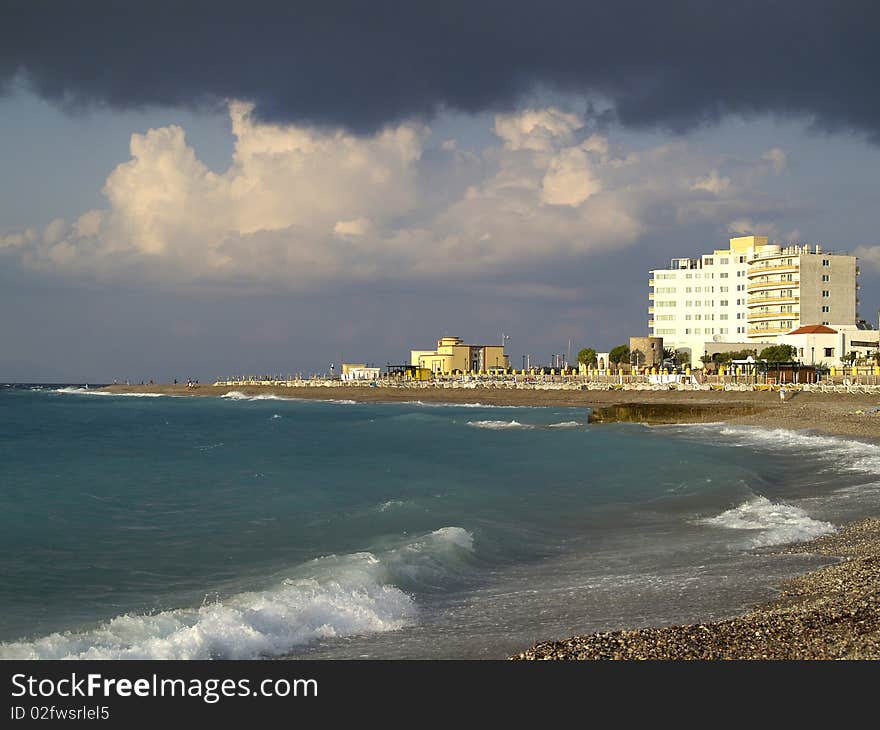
565	424
772	523
499	425
332	596
86	391
463	405
390	504
839	453
238	395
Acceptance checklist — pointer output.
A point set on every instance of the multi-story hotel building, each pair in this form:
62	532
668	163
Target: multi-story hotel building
750	293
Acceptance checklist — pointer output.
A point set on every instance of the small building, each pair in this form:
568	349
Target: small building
453	355
359	371
819	344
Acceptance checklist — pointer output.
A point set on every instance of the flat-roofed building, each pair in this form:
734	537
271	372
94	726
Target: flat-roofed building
753	291
453	355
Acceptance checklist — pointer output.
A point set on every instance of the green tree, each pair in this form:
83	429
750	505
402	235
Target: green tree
587	356
684	357
778	353
619	354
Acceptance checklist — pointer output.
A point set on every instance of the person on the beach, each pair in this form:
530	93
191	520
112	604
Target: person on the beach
782	393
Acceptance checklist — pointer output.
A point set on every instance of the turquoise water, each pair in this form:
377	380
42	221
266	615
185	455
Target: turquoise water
262	527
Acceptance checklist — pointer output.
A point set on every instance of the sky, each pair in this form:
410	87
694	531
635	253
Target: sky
208	189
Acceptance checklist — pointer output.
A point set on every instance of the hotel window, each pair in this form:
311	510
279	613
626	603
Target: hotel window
723	262
723	303
826	309
708	262
722	275
698	316
825	277
826	323
687	331
688	276
688	304
687	290
723	288
825	294
697	303
697	331
723	330
829	352
697	289
826	262
722	316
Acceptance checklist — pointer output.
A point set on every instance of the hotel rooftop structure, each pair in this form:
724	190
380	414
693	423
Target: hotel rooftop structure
752	293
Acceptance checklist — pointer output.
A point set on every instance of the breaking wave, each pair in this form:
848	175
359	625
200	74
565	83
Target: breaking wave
333	596
86	391
771	523
499	425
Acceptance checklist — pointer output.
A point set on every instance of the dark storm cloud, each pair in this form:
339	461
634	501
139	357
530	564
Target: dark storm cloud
365	63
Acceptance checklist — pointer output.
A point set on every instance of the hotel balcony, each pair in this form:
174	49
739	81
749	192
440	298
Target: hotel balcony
775	284
651	296
650	323
650	282
650	310
757	316
779	269
761	331
758	301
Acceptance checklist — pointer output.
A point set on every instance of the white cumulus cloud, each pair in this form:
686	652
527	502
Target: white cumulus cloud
300	206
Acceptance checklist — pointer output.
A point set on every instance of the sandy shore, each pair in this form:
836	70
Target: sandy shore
832	613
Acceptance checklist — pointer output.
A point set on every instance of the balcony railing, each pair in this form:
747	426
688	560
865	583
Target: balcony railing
758	270
773	315
650	310
793	283
651	296
756	332
757	301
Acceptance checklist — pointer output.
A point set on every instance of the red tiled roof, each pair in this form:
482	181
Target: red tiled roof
813	329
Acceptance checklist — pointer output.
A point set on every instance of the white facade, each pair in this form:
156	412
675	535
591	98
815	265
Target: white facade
831	346
750	292
361	373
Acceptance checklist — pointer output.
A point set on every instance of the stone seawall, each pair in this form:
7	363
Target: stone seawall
672	412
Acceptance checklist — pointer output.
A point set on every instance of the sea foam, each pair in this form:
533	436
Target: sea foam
86	391
333	596
499	425
839	453
771	523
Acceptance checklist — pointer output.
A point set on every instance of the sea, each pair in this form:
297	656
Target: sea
260	527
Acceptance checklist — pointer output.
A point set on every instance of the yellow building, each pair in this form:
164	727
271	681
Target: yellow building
454	356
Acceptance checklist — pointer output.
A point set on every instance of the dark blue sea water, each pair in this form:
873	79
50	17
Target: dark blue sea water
200	527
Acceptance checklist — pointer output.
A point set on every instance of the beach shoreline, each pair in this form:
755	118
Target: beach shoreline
850	415
830	613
